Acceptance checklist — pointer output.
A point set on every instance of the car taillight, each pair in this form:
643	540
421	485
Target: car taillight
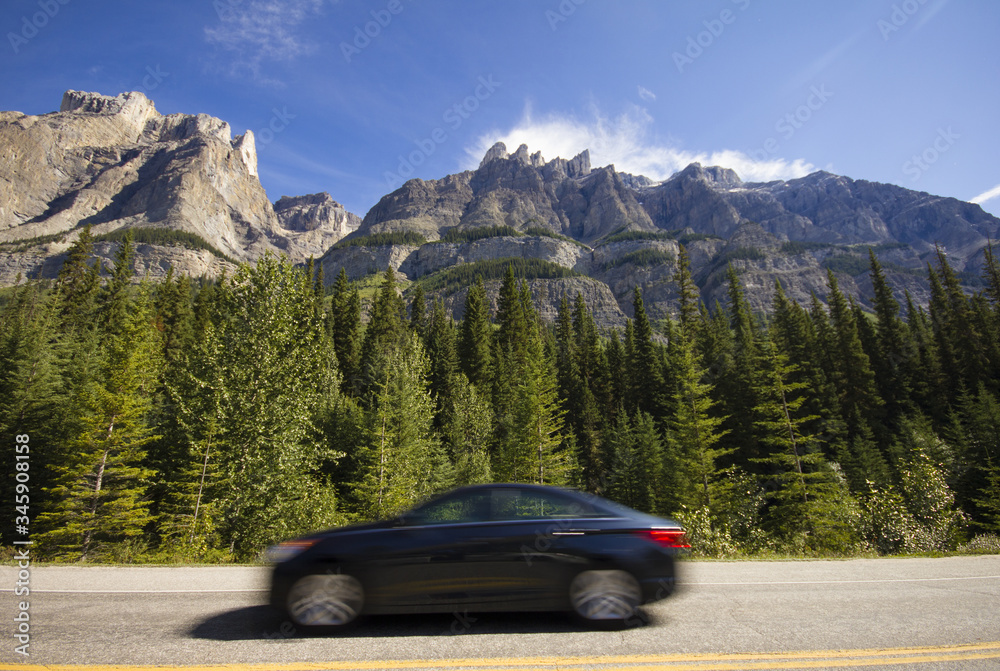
668	538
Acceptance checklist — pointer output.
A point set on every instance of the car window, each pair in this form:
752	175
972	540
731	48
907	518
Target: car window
516	504
464	507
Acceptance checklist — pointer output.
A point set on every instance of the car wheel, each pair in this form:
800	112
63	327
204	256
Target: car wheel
609	596
325	600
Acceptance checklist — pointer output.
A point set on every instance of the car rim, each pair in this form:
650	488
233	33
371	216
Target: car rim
325	600
605	595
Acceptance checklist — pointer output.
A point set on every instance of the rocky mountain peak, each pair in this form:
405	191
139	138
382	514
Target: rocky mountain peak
497	151
713	174
115	162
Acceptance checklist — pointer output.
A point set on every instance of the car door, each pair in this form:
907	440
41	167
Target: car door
526	555
422	563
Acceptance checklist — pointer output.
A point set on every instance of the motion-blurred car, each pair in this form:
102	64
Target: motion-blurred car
499	547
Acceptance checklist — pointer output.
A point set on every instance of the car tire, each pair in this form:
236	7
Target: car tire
605	597
325	600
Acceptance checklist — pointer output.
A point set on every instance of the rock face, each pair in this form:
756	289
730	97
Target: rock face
115	162
632	229
313	223
520	190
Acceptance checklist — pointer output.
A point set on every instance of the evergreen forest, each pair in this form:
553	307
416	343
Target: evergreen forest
186	420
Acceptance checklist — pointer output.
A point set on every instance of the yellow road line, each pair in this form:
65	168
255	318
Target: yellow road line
805	659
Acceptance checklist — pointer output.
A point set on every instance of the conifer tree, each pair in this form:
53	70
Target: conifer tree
636	478
100	494
418	311
402	461
855	380
695	453
646	373
475	342
345	326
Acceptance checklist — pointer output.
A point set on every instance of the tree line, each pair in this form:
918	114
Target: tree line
184	420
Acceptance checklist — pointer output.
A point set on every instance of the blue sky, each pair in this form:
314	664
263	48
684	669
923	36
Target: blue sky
354	97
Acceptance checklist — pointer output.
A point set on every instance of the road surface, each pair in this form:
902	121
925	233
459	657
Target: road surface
918	614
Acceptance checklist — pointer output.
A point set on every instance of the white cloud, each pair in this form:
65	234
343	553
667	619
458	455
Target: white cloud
628	142
262	30
986	195
646	94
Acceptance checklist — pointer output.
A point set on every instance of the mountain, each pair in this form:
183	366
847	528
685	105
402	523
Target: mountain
186	185
624	231
189	190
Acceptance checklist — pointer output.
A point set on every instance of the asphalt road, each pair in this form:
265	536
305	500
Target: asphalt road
880	613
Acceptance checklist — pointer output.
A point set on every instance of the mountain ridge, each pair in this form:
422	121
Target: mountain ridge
114	162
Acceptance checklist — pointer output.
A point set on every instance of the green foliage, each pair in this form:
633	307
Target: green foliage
448	281
641	258
201	423
383	239
796	247
625	235
846	264
164	237
541	231
479	233
741	254
24	244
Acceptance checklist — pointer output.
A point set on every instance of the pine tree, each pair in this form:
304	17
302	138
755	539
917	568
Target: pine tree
646	373
636	478
441	350
418	311
738	376
32	391
855	380
345	326
100	492
469	433
385	330
475	341
893	358
695	453
687	293
402	461
810	507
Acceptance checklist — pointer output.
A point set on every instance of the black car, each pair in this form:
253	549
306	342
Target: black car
499	547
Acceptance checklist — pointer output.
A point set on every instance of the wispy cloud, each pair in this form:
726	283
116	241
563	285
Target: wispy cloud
628	142
262	30
987	195
646	94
